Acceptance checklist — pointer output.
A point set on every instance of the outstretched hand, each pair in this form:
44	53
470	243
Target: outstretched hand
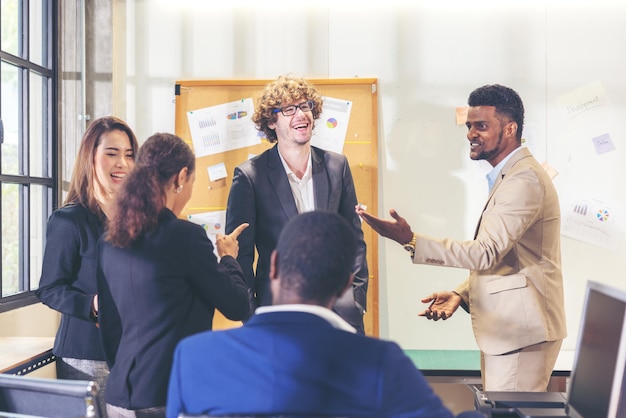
228	244
442	305
398	229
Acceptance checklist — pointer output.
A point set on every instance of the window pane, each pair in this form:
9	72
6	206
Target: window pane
27	144
36	30
10	118
37	119
10	25
10	239
37	225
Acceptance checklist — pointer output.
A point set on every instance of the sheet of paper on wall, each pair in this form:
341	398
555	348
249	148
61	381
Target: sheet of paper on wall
461	115
586	101
586	113
332	125
593	221
223	127
217	171
212	222
603	143
584	143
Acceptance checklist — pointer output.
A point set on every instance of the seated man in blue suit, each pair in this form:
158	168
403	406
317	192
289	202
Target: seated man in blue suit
297	357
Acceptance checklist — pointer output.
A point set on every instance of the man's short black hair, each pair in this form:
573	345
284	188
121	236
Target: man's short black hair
506	101
316	253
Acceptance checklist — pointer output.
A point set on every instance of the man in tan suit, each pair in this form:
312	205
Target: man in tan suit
514	292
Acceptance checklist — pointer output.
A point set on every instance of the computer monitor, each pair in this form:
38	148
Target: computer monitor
597	379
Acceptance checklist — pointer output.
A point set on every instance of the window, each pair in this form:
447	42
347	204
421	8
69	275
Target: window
28	165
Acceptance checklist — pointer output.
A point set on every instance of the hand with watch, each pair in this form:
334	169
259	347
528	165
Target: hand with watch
397	229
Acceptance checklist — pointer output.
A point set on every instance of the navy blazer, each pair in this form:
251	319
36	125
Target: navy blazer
162	288
261	196
296	363
68	280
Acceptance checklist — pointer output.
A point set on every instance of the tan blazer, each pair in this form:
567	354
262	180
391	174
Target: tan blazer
514	292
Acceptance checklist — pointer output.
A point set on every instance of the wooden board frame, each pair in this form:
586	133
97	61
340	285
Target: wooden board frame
361	149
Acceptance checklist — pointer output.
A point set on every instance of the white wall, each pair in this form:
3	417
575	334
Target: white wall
428	56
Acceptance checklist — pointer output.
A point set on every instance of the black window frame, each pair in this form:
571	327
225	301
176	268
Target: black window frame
48	70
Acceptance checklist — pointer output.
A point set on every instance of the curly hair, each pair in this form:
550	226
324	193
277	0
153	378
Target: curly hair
506	101
81	189
142	196
283	91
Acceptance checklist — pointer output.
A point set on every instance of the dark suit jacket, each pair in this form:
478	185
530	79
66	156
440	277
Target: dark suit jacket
162	288
68	280
261	196
296	363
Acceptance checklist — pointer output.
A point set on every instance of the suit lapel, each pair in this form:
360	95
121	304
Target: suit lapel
280	183
321	184
519	154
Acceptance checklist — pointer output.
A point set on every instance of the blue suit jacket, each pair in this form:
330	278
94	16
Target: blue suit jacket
261	196
68	280
297	363
164	287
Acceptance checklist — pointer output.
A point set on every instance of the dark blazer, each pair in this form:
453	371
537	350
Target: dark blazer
162	288
261	196
296	363
68	280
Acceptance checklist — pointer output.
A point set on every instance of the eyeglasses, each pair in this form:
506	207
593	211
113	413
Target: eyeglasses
291	109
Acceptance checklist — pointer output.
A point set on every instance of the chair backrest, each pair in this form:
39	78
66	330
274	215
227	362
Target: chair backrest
50	398
464	414
256	416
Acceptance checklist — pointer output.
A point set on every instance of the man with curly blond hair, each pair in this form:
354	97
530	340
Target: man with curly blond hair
290	178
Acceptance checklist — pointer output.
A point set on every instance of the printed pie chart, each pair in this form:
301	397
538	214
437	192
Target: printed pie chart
603	215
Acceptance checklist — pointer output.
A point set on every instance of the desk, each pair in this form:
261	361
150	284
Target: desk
463	366
22	355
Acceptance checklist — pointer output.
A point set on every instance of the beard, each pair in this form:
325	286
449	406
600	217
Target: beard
487	154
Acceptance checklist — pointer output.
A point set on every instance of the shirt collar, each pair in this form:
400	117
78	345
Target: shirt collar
291	174
492	176
332	318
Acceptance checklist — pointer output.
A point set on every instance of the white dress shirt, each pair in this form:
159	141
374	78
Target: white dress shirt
302	189
333	319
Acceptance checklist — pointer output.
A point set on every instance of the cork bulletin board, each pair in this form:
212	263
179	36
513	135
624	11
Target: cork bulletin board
360	147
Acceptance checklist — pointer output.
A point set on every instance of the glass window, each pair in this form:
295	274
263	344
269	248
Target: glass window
37	135
10	24
10	237
10	112
27	129
37	37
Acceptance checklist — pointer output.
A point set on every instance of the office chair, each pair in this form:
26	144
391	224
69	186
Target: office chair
464	414
50	398
254	416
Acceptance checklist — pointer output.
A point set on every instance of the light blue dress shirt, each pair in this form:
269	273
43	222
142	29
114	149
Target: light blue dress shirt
492	176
